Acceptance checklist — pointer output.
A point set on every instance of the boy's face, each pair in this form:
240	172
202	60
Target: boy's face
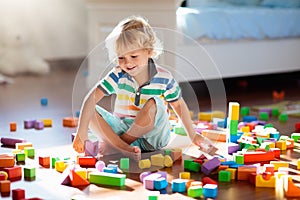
135	63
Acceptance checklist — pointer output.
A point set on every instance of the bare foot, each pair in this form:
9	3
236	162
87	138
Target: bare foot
135	153
106	149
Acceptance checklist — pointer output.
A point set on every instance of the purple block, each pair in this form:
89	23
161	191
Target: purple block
11	141
233	147
267	110
210	165
162	174
91	148
39	125
143	175
100	165
28	124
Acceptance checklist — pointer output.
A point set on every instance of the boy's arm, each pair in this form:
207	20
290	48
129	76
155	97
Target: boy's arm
183	113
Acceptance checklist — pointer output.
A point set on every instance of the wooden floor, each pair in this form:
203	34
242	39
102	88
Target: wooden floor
21	100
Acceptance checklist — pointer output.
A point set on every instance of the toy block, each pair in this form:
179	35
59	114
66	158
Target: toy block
261	182
210	165
249	118
145	163
14	173
60	165
245	111
281	144
269	168
275	112
82	172
29	171
20	157
168	161
70	122
11	142
184	175
104	178
22	145
153	195
297	127
157	160
186	163
28	124
44	161
290	189
205	116
111	168
278	95
3	175
179	130
47	122
5	186
224	176
276	152
39	125
143	175
239	159
244	171
264	116
254	157
294	136
44	101
100	165
233	148
289	143
233	127
160	183
207	180
124	163
168	152
216	135
233	111
275	135
210	190
87	161
178	185
252	178
77	180
176	154
91	148
53	161
245	129
13	126
278	164
18	194
218	114
232	173
298	164
283	117
194	167
195	191
29	152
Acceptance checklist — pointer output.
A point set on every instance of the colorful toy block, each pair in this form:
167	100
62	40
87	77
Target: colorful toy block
216	135
239	159
3	175
113	168
82	172
160	183
77	180
224	176
195	191
14	173
91	147
261	182
104	178
148	181
264	116
210	165
186	163
269	168
245	111
157	160
22	145
47	122
100	165
39	125
87	161
44	161
176	154
283	117
205	116
70	122
178	185
207	180
194	167
28	124
210	191
298	164
290	189
7	160
124	163
20	157
184	175
232	173
143	175
29	152
145	163
254	157
18	194
281	144
5	186
60	165
44	101
294	136
11	142
180	130
168	161
249	118
278	164
153	195
53	161
233	111
13	126
275	112
243	172
29	171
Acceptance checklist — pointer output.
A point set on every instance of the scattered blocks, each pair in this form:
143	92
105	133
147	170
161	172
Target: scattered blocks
18	194
47	122
232	173
11	142
60	165
14	173
3	175
70	122
210	165
176	154
145	163
168	161
104	178
264	116
22	145
210	191
77	180
87	161
13	126
20	157
160	183
100	165
283	117
184	175
278	164
298	164
28	124
243	172
294	136
245	111
91	147
281	144
290	189
39	125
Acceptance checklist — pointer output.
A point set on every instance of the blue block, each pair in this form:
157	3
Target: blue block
229	163
109	170
210	191
44	101
249	118
113	167
221	124
275	135
178	185
160	183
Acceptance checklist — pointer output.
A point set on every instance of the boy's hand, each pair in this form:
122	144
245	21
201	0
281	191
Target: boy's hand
204	144
78	143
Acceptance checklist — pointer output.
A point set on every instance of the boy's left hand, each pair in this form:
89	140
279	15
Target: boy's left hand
205	144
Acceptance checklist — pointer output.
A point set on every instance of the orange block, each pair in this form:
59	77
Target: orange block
87	161
243	172
77	180
70	121
44	161
5	186
258	156
290	189
13	126
290	143
215	135
7	160
14	173
22	145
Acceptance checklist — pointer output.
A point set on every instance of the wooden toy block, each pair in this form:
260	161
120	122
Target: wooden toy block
269	168
195	191
261	182
168	152
194	167
29	152
297	127
13	126
160	183
186	163
178	185
3	175
28	124
283	117
218	114
216	135
11	142
281	144
180	130
44	161
100	165
224	176
205	116
210	191
145	163
14	173
243	172
278	164
252	178
294	136
153	195
22	145
29	171
82	172
290	189
5	186
233	127
91	147
254	157
289	143
77	180
168	161
249	118
264	116
245	111
109	170
276	152
157	160
210	165
104	178
239	159
39	125
124	163
44	101
70	121
207	180
176	154
47	122
245	129
143	175
20	157
18	194
53	161
87	161
232	172
233	111
60	165
113	167
184	175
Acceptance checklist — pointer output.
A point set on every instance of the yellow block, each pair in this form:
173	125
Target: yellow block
47	122
185	175
278	164
232	172
281	144
157	160
234	111
168	162
218	114
245	129
15	151
82	172
146	163
60	166
298	164
261	182
205	116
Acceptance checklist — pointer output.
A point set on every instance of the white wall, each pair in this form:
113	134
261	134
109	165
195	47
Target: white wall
57	28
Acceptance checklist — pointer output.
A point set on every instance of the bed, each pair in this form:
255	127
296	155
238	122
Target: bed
231	38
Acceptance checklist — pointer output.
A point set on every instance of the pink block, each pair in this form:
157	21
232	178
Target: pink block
100	165
149	180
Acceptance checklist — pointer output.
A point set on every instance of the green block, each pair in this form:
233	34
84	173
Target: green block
269	125
29	152
186	163
152	197
194	167
180	130
53	160
29	172
283	117
264	116
124	163
224	176
275	112
195	191
104	178
239	159
295	136
20	157
168	152
245	111
233	127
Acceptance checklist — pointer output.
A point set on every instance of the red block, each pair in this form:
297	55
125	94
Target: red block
87	161
276	152
44	161
14	173
297	127
18	194
207	180
252	157
77	180
252	178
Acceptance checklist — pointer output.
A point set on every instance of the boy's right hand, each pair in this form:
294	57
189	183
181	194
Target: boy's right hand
78	144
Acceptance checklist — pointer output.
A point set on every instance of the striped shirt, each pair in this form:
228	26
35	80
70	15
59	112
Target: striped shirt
130	97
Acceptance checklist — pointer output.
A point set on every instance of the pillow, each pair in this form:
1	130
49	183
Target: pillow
281	3
244	2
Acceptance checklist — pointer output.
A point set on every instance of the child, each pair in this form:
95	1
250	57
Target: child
140	119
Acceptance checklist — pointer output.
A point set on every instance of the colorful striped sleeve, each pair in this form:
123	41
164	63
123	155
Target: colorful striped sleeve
173	91
110	82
